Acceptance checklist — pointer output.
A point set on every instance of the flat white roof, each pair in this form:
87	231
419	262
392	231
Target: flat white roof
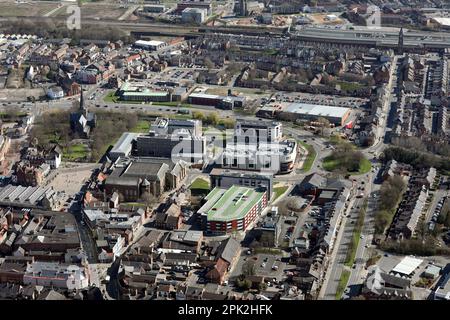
317	110
407	265
124	142
442	21
149	43
205	95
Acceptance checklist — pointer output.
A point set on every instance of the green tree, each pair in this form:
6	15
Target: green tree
212	118
243	283
248	268
324	123
209	64
198	115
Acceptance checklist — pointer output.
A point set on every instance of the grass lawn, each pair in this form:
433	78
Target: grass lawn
351	254
111	97
349	86
200	183
271	251
342	283
11	116
330	164
142	126
279	191
335	139
75	152
133	204
307	164
364	166
354	245
172	104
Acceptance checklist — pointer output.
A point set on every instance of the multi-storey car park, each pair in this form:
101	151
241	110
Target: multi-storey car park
233	209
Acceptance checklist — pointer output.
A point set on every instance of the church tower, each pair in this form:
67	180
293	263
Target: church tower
83	108
400	41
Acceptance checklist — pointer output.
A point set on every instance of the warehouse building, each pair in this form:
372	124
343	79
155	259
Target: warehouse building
232	209
223	102
123	146
181	6
154	8
194	15
305	111
30	197
130	92
152	45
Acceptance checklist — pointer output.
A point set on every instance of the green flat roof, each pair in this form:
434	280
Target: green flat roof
145	93
230	204
129	90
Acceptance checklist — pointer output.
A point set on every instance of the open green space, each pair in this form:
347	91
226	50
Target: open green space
200	183
11	116
75	152
133	204
349	86
172	104
279	191
111	97
342	284
310	157
142	126
272	251
331	164
353	246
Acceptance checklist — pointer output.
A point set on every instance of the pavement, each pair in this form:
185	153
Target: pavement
339	252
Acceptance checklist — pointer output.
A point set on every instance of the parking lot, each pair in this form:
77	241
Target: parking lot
267	265
348	102
270	266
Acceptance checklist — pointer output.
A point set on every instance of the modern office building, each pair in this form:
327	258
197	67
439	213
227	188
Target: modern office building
258	130
224	178
232	209
170	126
182	146
258	145
273	157
123	147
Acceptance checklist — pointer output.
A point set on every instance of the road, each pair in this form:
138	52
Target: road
380	134
329	287
339	254
358	274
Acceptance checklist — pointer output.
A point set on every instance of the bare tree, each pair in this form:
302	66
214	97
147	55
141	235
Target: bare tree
148	198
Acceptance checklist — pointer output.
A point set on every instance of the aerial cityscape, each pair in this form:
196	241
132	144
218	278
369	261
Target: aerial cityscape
225	150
